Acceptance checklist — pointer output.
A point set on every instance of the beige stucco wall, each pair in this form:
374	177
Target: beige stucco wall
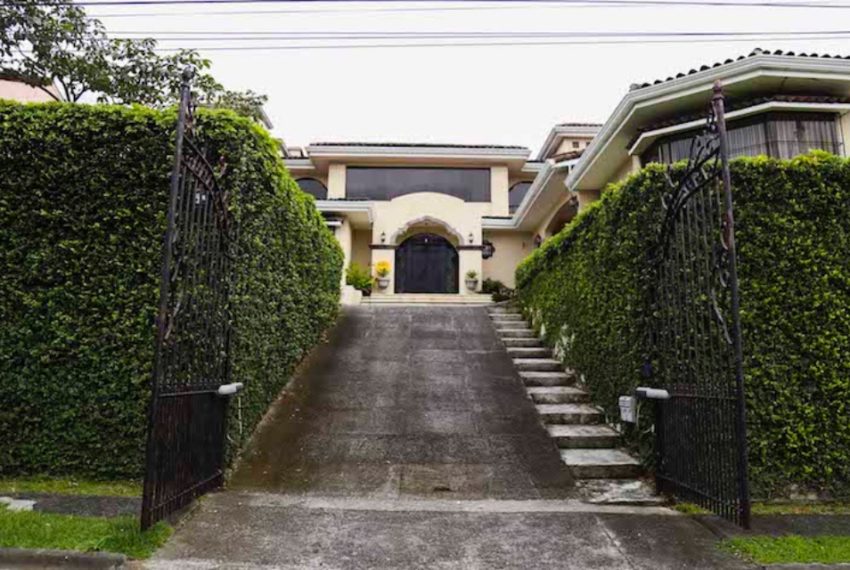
499	187
438	213
360	252
844	127
343	235
566	144
336	181
587	197
511	249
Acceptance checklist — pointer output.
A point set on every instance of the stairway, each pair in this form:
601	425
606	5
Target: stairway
589	447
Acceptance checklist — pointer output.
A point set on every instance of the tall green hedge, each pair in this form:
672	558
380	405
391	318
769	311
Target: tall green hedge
585	288
83	195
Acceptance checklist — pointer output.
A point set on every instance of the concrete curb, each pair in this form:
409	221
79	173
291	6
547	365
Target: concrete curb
43	558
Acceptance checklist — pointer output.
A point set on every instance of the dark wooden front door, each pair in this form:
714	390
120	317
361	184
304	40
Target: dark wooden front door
426	263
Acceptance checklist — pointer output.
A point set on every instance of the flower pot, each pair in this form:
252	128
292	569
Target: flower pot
472	284
383	282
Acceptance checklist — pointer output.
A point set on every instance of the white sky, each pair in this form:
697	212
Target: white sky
485	95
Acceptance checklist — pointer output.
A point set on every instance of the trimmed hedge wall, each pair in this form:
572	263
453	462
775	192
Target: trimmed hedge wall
585	289
83	198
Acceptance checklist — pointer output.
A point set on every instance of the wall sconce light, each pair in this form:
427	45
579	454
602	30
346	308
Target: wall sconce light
471	238
383	237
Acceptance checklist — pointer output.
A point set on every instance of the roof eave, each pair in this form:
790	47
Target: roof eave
418	152
741	69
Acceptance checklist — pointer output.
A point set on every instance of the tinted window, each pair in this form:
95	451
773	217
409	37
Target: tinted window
313	187
517	193
778	135
468	184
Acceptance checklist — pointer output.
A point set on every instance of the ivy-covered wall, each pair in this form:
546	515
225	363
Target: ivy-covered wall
83	197
585	289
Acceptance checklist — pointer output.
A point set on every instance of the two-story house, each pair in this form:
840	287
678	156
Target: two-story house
436	212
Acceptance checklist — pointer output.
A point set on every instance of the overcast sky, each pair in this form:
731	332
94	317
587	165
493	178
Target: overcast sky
485	95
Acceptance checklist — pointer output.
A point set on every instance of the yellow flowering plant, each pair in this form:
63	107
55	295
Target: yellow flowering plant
382	269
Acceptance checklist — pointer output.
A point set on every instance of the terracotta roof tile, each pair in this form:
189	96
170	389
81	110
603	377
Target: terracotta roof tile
754	53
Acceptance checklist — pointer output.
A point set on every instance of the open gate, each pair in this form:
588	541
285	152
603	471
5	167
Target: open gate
191	375
700	427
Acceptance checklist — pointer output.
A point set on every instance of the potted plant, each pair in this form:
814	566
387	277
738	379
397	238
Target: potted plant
472	280
358	277
382	270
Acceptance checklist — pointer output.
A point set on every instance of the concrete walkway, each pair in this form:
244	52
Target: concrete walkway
408	442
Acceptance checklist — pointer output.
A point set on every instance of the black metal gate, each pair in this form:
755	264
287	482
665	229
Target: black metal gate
186	430
700	428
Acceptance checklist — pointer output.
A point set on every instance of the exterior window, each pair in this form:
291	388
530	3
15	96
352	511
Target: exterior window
778	135
367	183
516	194
313	187
576	144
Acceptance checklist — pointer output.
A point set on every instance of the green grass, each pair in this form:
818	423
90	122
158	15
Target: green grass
801	508
777	509
30	529
690	509
791	549
70	487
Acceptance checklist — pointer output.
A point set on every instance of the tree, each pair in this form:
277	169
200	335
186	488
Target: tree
53	42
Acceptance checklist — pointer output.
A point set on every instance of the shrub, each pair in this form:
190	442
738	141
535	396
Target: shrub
585	290
358	277
83	194
497	289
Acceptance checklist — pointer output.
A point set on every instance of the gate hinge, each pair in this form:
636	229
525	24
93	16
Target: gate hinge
229	389
651	393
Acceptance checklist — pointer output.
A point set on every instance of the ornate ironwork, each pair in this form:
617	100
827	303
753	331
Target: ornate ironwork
186	424
697	350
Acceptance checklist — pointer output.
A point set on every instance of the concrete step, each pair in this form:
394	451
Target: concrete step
547	378
522	342
538	365
569	414
529	352
634	492
500	317
427	299
584	436
504	311
516	333
601	463
511	325
557	395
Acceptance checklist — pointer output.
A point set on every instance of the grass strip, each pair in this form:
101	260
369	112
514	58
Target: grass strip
70	487
31	529
791	549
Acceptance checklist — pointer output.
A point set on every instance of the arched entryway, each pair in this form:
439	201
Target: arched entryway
426	263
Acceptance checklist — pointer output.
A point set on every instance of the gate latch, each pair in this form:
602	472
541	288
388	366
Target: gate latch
651	393
230	389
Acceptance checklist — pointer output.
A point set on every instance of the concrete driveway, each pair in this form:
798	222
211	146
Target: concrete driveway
407	441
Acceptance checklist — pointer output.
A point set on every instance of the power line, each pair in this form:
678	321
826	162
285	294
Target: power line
224	48
586	4
618	3
190	35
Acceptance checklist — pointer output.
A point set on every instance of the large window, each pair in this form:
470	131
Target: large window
366	183
313	187
516	194
778	135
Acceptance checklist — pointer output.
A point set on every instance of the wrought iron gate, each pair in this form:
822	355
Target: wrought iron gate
700	428
186	429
